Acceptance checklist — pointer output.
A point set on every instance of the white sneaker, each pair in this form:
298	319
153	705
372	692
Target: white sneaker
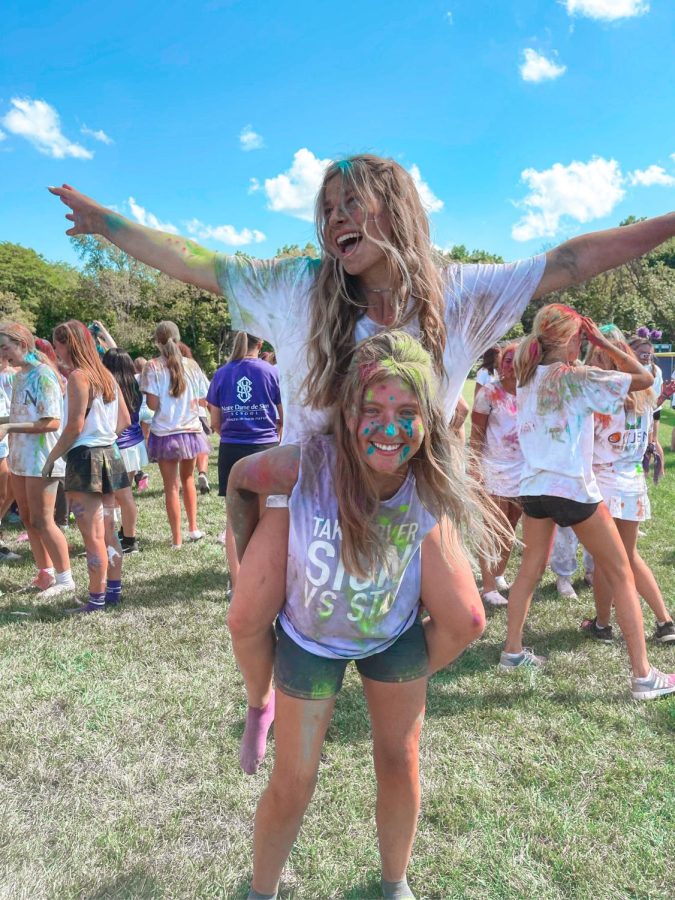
494	598
502	583
196	535
63	587
564	588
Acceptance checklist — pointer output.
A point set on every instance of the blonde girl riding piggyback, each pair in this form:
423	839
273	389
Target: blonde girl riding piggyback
557	398
365	544
377	271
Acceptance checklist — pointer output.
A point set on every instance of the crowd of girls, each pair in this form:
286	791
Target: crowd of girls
330	558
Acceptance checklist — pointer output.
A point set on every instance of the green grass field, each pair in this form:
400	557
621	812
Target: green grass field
119	738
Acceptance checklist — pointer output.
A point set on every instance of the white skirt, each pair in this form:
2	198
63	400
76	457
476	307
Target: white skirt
135	458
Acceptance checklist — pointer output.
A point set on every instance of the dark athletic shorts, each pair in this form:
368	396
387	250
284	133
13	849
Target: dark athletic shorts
564	512
302	674
229	454
657	415
95	470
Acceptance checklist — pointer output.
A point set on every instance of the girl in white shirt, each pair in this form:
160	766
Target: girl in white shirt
556	401
365	544
175	389
95	413
621	440
494	441
35	420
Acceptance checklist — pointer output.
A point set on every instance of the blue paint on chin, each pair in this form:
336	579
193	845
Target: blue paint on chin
390	430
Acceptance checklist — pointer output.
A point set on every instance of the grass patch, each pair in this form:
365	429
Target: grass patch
119	744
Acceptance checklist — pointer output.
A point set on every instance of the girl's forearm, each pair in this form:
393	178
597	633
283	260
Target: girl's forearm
29	427
64	443
243	513
178	257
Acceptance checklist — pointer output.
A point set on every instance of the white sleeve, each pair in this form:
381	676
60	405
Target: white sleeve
602	391
263	294
485	300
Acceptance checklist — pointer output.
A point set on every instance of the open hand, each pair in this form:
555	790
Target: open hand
87	215
47	469
593	333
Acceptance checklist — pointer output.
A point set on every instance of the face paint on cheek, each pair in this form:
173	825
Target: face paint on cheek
404	453
370	450
420	429
406	426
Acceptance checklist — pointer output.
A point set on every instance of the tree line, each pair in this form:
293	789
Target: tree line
130	298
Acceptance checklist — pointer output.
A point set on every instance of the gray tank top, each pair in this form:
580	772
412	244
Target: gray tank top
328	611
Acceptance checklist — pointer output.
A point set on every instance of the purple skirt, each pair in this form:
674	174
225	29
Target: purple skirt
182	445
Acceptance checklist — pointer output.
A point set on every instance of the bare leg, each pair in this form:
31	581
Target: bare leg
299	736
41	497
88	512
538	538
602	594
42	558
600	537
450	596
396	715
128	509
512	511
112	543
187	471
4	484
168	469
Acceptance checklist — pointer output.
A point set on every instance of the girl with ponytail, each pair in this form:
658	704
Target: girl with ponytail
34	425
175	388
557	398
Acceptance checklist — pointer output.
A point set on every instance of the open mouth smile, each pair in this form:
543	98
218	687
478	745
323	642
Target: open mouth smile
347	243
389	449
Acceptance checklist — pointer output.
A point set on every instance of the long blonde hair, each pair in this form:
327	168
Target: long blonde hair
84	355
636	401
166	337
443	485
337	298
553	328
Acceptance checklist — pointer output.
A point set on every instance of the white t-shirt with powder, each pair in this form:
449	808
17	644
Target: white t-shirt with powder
328	611
620	443
502	458
555	428
271	299
36	395
175	414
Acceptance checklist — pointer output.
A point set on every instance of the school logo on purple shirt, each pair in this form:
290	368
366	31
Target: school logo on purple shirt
244	389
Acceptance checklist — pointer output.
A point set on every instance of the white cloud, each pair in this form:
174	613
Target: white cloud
249	139
651	175
538	68
99	135
143	217
253	185
579	191
448	18
429	200
38	122
226	234
607	10
293	192
3	136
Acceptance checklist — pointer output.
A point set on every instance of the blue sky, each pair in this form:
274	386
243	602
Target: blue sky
525	122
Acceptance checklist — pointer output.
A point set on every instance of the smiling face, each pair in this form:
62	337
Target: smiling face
62	353
389	427
12	352
346	222
644	353
506	364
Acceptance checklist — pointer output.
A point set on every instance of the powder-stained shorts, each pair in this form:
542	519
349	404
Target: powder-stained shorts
95	470
302	674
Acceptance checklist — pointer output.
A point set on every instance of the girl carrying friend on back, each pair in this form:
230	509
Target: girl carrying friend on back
36	418
494	442
621	440
377	270
557	398
175	388
365	543
95	413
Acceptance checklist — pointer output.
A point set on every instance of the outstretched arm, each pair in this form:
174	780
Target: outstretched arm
176	256
270	472
588	255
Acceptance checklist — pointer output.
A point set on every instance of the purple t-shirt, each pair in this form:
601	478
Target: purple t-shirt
247	392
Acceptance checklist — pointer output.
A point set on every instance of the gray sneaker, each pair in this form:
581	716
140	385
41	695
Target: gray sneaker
657	684
7	555
527	658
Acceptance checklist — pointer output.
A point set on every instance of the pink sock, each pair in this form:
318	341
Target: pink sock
254	741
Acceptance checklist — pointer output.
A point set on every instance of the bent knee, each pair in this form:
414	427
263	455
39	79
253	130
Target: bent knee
244	620
292	790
